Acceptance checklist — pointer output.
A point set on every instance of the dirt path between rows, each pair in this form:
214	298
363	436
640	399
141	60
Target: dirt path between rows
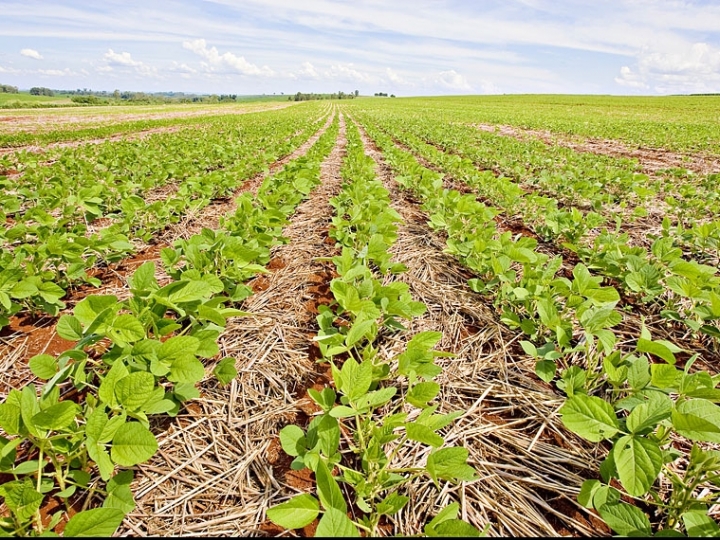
220	467
510	427
652	160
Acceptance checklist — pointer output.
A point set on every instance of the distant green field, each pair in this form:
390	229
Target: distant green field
24	98
685	123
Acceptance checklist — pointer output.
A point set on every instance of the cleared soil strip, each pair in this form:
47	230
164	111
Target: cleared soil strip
651	160
510	427
127	135
220	466
27	335
12	124
132	136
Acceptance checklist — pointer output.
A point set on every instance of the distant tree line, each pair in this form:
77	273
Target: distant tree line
382	94
311	96
8	89
41	91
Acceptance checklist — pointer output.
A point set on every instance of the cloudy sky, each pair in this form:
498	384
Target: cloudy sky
406	47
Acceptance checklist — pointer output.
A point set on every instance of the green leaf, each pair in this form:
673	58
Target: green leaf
648	415
625	519
699	524
336	524
69	327
57	416
328	434
126	329
186	369
191	291
422	393
341	411
22	498
418	432
359	330
135	390
96	522
450	464
638	461
545	369
455	528
296	513
590	417
143	279
657	349
357	378
392	504
698	420
664	375
88	309
100	428
106	392
326	398
529	349
292	439
376	398
177	346
328	489
225	370
43	366
119	493
99	455
10	418
133	443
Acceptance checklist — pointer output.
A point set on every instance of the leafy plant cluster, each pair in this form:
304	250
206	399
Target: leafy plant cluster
44	255
647	409
132	360
686	290
240	248
384	406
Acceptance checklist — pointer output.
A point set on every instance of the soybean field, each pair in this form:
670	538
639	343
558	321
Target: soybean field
453	316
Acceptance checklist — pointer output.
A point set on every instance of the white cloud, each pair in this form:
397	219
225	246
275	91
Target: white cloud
9	70
452	80
57	72
394	78
31	53
227	60
184	70
124	61
347	73
692	69
308	71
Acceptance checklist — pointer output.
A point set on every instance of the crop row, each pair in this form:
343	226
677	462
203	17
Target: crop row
92	416
385	404
630	394
685	289
44	255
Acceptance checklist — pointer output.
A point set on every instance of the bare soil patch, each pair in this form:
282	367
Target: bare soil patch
652	161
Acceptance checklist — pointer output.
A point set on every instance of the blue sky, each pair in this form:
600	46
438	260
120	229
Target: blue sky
418	47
